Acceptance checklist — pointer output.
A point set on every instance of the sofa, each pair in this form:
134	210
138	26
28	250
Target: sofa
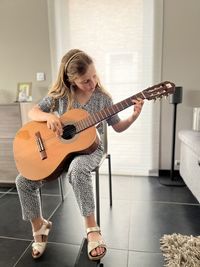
190	160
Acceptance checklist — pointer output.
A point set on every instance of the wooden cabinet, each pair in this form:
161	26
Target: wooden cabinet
12	117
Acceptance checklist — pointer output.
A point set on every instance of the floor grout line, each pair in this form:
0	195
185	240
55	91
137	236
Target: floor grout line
15	238
15	193
21	256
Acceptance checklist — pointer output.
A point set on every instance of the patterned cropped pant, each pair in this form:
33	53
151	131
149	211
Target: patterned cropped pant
79	175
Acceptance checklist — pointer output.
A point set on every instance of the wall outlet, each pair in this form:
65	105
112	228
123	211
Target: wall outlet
177	162
40	76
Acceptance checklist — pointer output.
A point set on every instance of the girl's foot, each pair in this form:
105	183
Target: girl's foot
96	245
41	237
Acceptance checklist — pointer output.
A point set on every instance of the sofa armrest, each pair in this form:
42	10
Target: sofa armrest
191	139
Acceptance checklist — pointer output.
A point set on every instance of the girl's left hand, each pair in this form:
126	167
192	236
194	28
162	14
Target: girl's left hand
138	104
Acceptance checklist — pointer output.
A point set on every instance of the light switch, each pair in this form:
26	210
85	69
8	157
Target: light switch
40	76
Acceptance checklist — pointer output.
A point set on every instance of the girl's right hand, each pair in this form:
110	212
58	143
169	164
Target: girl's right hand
54	124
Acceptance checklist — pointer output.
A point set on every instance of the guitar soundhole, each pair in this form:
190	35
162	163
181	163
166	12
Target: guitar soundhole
69	132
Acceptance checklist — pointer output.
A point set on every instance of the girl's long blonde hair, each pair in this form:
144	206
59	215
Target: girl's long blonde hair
73	64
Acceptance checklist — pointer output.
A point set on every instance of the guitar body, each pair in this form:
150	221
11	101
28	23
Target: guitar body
58	150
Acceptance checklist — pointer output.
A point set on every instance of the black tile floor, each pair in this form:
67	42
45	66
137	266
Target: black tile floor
143	210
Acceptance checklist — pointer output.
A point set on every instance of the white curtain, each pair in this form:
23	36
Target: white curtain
124	39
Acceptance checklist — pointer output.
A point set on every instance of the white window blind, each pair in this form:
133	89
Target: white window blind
119	35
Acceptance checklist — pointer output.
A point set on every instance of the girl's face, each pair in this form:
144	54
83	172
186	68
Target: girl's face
88	81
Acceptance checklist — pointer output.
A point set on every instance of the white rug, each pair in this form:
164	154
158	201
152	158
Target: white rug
180	250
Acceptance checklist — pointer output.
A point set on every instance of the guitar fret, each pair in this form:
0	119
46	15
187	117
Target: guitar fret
117	108
77	127
103	113
98	117
121	104
81	124
85	123
127	103
95	118
90	120
111	112
113	109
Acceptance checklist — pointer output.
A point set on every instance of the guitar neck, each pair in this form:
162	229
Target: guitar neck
94	119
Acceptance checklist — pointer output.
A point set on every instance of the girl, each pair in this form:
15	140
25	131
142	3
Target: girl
77	86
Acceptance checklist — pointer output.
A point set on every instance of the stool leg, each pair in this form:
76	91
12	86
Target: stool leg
97	196
99	264
40	190
61	188
110	178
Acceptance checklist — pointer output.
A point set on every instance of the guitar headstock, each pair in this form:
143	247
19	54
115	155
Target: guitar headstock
159	90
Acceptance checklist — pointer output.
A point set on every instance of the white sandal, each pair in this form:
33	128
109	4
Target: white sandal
40	246
95	244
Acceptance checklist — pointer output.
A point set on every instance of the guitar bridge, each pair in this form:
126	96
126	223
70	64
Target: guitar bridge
40	145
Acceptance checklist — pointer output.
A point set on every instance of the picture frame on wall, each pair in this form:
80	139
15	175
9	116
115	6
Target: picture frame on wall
24	93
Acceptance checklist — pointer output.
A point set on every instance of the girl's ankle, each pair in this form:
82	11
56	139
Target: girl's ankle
36	225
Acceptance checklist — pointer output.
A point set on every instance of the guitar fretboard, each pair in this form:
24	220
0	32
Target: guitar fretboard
94	119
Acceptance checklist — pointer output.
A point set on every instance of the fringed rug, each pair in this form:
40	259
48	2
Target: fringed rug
180	250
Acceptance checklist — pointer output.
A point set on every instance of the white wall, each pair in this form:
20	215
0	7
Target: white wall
24	47
180	64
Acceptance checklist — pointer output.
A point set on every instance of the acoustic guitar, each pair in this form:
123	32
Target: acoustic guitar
39	154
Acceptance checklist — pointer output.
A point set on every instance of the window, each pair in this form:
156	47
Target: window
120	36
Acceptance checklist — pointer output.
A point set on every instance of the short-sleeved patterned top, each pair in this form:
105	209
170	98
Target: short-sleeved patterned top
98	101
